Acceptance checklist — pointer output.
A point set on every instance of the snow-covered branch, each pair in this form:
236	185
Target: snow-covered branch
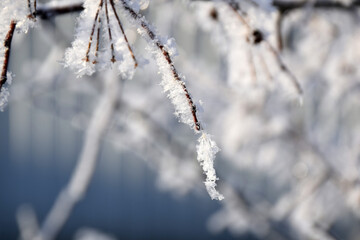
82	175
4	94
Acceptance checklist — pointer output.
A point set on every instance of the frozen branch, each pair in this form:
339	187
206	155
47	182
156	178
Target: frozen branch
82	175
255	36
166	55
284	6
287	6
123	33
27	222
179	95
47	11
7	47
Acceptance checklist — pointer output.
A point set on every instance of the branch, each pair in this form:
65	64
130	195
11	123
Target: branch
27	222
255	37
85	168
288	6
151	34
97	19
179	95
47	11
123	33
7	46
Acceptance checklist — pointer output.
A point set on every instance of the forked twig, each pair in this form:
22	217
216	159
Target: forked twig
96	27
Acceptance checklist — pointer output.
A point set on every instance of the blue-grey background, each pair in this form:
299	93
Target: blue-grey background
123	202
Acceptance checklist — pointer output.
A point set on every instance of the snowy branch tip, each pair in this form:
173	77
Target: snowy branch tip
206	151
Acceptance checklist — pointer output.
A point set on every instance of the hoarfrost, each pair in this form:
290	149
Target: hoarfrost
84	56
174	85
18	11
4	93
206	150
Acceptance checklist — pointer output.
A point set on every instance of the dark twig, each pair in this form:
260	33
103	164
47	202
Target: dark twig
265	67
97	41
253	73
35	6
167	57
32	10
93	30
257	38
7	46
123	32
109	31
278	27
46	12
288	6
284	68
29	7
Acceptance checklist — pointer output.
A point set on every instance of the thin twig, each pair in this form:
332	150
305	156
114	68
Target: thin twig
32	10
35	6
240	14
265	67
93	30
109	31
47	12
7	47
252	65
29	7
97	41
284	68
288	6
258	38
123	32
278	28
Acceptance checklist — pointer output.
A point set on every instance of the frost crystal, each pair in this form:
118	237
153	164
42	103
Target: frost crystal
4	93
4	96
15	10
206	150
174	85
172	82
14	14
99	27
